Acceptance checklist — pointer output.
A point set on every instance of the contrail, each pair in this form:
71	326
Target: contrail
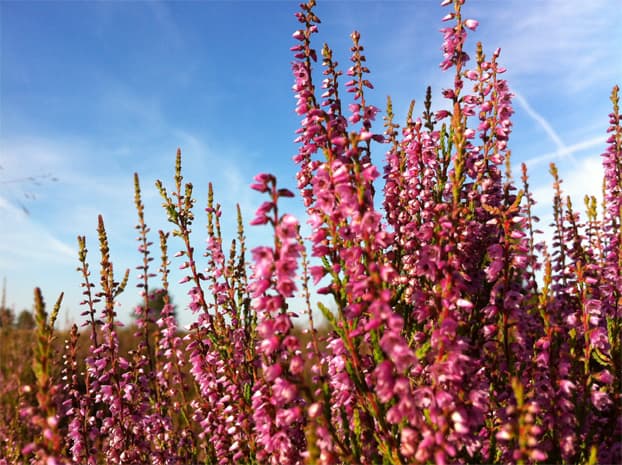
563	150
567	150
538	118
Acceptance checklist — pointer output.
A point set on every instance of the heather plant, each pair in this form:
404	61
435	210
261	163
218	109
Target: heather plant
456	335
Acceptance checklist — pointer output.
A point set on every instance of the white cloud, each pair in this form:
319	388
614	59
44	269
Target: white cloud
583	178
41	248
24	241
578	180
569	43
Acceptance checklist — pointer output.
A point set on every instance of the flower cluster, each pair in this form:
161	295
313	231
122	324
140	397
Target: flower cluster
277	401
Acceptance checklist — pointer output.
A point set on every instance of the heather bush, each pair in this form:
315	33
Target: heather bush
456	335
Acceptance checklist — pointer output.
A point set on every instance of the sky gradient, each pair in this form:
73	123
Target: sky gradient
91	92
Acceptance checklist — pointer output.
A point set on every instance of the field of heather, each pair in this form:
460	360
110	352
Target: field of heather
455	334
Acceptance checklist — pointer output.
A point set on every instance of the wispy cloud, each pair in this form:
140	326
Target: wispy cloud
31	256
41	247
162	13
569	42
24	241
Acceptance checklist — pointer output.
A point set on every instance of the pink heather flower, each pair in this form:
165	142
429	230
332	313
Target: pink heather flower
495	252
262	181
283	391
604	377
273	372
567	386
296	365
288	416
269	346
261	215
599	338
288	227
600	399
408	440
537	455
471	24
472	75
315	410
397	350
385	381
317	273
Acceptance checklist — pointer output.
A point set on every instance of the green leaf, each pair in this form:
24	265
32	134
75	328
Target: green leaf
37	369
173	217
377	350
247	391
423	349
601	359
593	460
330	317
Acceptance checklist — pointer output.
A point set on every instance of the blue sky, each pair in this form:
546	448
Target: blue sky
91	92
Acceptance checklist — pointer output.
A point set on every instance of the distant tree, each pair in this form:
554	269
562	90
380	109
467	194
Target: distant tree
7	317
25	320
157	302
157	299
